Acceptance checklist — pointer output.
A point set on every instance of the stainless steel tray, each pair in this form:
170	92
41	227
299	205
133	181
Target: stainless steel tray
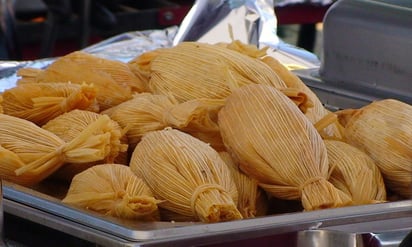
48	210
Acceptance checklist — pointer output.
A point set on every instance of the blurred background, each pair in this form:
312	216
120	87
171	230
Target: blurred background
33	29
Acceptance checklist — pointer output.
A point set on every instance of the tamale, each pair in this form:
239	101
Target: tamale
140	65
252	201
275	143
41	102
114	80
317	112
1	104
355	173
34	153
69	125
113	189
198	118
147	112
141	114
383	130
193	70
187	174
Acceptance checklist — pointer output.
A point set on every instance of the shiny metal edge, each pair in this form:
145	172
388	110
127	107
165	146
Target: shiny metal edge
137	231
63	225
337	96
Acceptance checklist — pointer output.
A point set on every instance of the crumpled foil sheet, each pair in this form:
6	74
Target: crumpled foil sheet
128	45
213	21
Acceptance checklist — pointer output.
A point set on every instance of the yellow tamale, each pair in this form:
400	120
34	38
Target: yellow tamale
113	189
31	154
69	125
194	70
140	65
315	113
252	201
187	174
41	102
1	106
355	173
147	112
275	143
383	130
113	79
197	117
141	114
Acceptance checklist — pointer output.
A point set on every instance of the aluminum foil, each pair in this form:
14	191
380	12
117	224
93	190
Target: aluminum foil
213	21
127	46
250	21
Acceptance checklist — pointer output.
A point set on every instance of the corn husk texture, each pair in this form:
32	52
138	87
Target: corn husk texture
292	81
382	129
29	153
69	125
193	70
148	112
41	102
355	173
253	201
187	174
113	189
277	145
114	80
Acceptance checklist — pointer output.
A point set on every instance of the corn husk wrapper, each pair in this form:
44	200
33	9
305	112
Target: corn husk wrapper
252	201
1	104
29	153
141	114
41	102
140	65
114	80
198	118
193	70
187	174
147	112
277	145
113	189
315	113
383	130
69	125
355	173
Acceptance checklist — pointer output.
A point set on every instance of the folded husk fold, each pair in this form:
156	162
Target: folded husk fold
193	70
69	125
252	201
113	189
187	174
37	153
355	173
148	112
41	102
114	80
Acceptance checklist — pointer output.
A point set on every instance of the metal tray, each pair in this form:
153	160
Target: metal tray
48	210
